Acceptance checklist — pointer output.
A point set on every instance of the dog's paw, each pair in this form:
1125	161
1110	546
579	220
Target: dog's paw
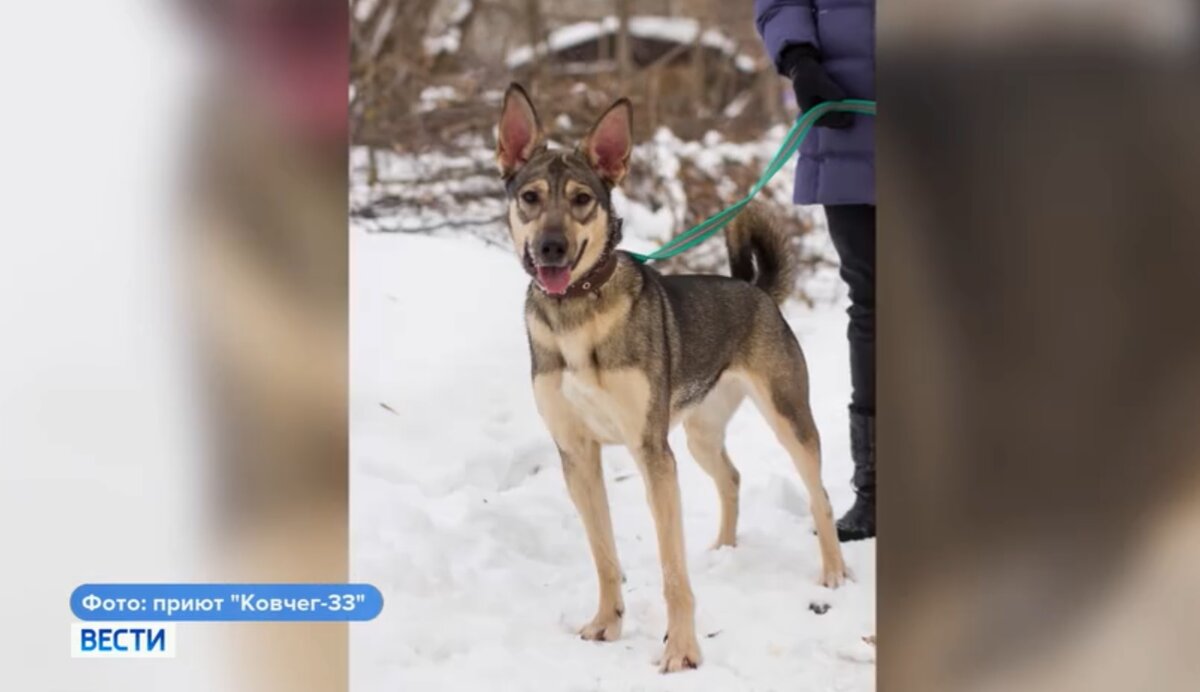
603	628
834	576
682	653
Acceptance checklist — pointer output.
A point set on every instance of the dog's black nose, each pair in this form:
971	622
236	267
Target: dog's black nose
552	249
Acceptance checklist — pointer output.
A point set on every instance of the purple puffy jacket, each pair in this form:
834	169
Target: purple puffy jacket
836	166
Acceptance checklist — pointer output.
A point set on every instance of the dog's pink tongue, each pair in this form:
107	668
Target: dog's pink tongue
554	279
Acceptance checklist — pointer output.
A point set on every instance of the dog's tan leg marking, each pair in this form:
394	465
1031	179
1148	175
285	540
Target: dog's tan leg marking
662	490
782	399
705	428
585	483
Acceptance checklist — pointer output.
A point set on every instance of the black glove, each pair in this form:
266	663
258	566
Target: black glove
813	85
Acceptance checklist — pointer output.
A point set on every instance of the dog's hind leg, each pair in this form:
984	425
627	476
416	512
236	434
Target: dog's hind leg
781	393
705	428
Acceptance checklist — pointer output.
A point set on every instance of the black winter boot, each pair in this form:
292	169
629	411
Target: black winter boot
859	523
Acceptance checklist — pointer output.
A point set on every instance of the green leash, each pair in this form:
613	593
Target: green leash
707	228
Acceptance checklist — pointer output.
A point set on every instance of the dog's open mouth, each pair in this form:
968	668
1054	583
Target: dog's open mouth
556	280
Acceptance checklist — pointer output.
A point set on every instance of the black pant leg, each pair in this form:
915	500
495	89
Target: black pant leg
852	228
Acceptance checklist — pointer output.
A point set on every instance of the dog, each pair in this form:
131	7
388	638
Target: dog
620	353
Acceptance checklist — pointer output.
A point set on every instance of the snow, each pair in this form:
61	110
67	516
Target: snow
461	11
448	42
460	516
672	29
435	97
447	37
364	8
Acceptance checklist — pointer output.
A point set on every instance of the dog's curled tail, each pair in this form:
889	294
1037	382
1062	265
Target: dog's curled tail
759	252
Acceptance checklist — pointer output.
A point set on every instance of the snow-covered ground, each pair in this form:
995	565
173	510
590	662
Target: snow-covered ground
460	516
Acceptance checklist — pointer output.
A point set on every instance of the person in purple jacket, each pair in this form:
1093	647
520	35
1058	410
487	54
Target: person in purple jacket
827	49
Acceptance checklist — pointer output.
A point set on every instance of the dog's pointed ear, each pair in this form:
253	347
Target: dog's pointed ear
520	132
610	141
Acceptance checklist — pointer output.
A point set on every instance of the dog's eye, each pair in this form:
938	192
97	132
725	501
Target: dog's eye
530	196
581	199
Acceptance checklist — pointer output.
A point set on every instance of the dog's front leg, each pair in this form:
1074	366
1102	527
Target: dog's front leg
584	475
662	489
585	482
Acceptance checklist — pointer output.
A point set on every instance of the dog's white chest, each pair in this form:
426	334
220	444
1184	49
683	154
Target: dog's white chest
593	405
607	405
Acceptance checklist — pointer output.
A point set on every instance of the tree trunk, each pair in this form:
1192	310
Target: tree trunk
624	57
769	85
536	31
653	90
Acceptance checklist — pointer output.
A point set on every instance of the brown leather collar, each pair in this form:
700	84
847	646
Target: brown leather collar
595	278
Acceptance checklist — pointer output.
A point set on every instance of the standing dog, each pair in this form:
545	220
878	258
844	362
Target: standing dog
620	353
